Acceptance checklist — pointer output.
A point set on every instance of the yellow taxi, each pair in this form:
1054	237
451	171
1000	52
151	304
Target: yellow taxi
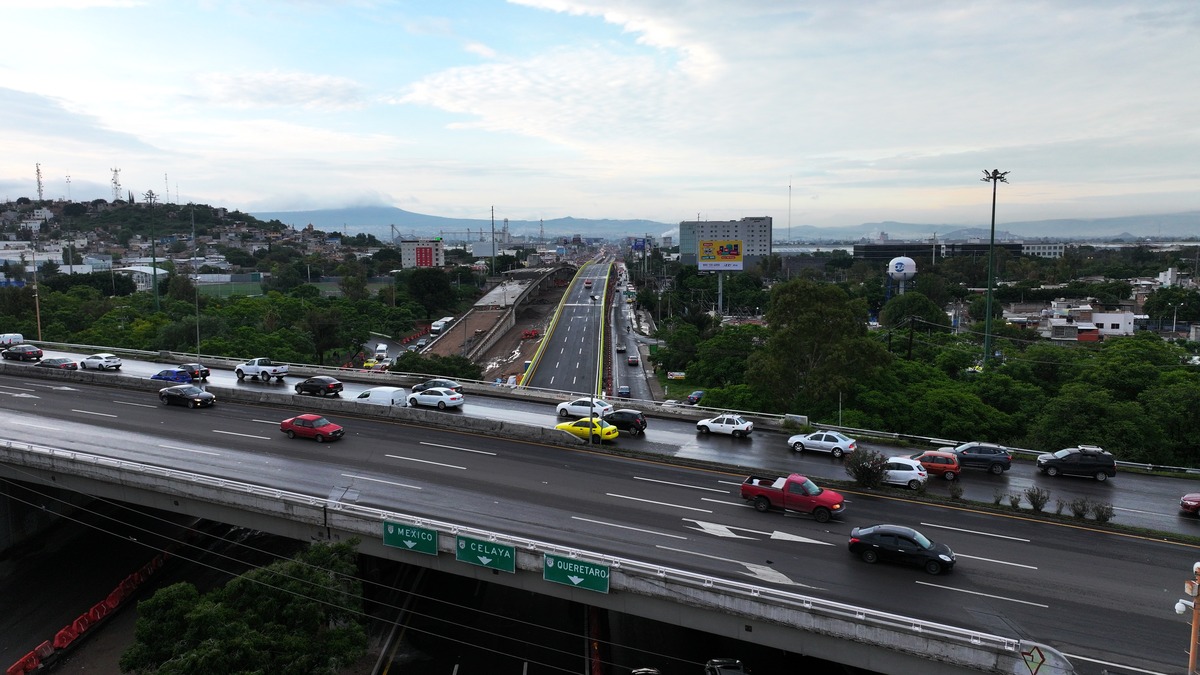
595	429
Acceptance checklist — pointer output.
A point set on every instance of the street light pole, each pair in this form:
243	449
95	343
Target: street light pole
1191	588
1175	316
994	177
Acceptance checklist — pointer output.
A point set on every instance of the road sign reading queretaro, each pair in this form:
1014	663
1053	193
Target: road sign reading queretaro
410	538
485	554
578	573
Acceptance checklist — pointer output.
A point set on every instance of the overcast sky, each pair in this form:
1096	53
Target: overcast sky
826	112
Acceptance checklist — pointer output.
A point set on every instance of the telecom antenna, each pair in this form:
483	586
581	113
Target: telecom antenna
116	185
68	187
166	188
541	231
39	180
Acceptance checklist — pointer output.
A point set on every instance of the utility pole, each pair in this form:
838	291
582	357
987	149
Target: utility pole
995	177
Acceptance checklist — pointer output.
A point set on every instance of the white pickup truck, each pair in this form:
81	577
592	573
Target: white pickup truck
261	369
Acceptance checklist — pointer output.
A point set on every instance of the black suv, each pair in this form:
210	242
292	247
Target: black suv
626	419
994	458
1085	460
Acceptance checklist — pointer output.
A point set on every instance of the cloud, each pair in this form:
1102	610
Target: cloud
274	89
47	122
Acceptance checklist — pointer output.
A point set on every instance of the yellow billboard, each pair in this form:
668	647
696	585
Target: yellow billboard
720	254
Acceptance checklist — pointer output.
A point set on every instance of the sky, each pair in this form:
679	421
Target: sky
825	113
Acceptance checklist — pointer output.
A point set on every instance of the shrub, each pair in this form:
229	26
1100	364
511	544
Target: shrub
956	490
866	467
1102	511
1038	497
1058	506
1014	500
998	496
1080	507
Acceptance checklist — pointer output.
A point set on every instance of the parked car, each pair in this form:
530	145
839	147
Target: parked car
904	471
188	395
440	384
1084	460
197	371
995	458
386	396
59	362
584	407
833	442
23	353
633	360
320	384
312	426
1190	503
899	544
172	375
938	463
437	397
101	362
590	428
734	425
623	391
627	419
694	397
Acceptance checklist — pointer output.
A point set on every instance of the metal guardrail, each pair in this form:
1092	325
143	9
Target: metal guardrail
917	628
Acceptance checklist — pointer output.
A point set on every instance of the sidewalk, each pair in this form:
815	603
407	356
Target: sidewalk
644	326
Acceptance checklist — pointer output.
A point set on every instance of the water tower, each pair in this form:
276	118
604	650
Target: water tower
899	271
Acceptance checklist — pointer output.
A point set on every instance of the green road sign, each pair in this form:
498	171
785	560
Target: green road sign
485	554
410	538
589	576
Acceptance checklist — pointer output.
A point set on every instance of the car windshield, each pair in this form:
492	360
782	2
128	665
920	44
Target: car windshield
1063	454
922	540
320	422
190	391
602	424
810	488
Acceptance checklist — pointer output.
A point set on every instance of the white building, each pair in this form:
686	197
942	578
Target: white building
1113	323
1053	250
754	233
422	253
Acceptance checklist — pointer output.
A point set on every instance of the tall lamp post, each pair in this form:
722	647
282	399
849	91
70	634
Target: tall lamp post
994	177
1192	589
1175	315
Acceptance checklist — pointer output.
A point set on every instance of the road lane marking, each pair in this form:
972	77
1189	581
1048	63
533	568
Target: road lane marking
626	527
455	447
985	534
266	421
380	480
720	530
683	485
139	405
89	412
760	572
202	452
992	560
1113	664
4	386
426	461
721	501
234	433
986	595
34	426
650	501
1147	513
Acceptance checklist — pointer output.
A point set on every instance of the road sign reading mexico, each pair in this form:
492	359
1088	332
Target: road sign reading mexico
410	538
578	573
485	553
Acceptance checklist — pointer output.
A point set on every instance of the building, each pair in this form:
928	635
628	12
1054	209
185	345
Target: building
422	253
1044	250
753	233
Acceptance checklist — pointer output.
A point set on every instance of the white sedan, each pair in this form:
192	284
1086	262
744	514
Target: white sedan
833	442
585	407
437	397
101	362
904	471
734	425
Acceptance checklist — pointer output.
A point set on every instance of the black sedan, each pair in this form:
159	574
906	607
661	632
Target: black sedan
23	353
197	371
903	545
440	384
186	394
321	384
60	362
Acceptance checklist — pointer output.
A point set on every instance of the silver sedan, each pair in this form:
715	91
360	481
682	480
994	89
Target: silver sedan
833	442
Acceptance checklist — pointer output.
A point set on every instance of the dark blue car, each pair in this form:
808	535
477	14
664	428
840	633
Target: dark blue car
173	375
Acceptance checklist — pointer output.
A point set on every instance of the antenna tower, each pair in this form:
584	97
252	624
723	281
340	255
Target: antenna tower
68	187
541	231
116	184
166	188
39	180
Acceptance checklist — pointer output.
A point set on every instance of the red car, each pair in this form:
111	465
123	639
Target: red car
311	426
1190	503
938	463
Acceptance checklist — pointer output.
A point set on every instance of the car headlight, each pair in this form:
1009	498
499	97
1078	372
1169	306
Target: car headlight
945	557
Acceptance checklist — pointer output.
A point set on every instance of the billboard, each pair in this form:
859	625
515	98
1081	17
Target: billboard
720	254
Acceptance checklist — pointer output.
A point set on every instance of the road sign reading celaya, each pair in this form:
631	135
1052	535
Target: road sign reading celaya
410	538
485	554
578	573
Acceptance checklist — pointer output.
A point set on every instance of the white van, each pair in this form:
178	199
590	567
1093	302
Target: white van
381	351
385	396
10	339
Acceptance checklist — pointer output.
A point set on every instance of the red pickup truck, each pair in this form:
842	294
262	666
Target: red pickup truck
792	493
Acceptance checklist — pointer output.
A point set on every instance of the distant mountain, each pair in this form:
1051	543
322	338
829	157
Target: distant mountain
378	220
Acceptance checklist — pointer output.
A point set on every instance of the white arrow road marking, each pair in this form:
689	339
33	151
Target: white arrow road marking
757	571
727	531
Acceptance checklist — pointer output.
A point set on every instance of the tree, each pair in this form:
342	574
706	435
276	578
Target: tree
294	616
901	308
430	287
721	359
